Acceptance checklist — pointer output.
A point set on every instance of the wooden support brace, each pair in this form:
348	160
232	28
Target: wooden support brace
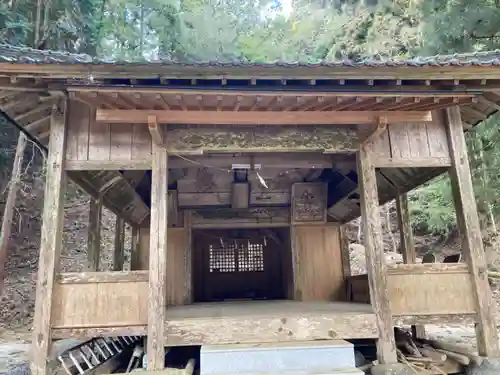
155	131
50	241
379	129
470	230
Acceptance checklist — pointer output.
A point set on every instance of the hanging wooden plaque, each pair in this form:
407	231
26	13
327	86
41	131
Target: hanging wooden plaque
309	203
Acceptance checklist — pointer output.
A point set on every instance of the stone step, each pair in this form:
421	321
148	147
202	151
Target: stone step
293	358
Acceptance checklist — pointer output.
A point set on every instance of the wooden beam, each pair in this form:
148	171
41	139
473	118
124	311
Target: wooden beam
94	234
91	332
259	118
268	161
155	130
415	162
107	165
171	71
101	277
375	258
394	91
472	244
10	203
158	259
50	241
118	253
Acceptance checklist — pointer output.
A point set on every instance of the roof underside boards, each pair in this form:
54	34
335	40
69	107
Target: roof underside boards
30	80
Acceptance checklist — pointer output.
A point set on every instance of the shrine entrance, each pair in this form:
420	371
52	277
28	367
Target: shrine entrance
241	264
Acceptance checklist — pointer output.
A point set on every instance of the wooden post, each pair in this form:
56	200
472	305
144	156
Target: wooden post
407	246
134	253
50	241
470	230
375	259
10	203
119	250
405	231
188	259
346	260
94	234
158	259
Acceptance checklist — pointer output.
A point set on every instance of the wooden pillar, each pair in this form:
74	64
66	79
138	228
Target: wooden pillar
346	259
405	231
407	246
375	259
470	230
188	260
50	241
10	203
157	259
118	253
94	234
135	251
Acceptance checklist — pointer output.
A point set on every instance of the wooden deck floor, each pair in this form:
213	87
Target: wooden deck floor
267	321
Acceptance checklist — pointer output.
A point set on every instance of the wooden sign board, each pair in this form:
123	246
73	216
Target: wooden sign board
309	203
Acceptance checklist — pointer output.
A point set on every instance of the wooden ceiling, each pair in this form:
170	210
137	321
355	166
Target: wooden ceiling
270	101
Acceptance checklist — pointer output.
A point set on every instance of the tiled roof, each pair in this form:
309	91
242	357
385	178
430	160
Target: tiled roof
25	55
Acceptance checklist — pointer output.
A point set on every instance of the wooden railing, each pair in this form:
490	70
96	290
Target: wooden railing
100	299
422	289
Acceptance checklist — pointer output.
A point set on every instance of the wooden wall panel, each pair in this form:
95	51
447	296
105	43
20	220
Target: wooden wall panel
319	271
100	304
120	142
422	289
178	245
431	294
418	141
176	271
78	131
89	140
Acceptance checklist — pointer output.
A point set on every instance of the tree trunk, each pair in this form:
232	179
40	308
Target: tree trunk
10	204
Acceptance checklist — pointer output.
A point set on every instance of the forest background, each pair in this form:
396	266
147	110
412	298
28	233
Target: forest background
309	31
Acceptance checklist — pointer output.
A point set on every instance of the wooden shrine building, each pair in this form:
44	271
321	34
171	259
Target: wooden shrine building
236	180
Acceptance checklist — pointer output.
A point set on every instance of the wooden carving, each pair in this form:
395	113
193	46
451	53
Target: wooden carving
188	140
309	202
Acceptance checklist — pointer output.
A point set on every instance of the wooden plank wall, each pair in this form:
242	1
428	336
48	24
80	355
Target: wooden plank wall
416	289
423	141
422	289
99	303
178	247
89	140
319	270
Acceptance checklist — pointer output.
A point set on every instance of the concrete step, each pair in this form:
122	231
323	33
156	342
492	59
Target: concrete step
292	358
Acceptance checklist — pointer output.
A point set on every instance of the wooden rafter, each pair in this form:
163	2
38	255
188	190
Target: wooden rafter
260	118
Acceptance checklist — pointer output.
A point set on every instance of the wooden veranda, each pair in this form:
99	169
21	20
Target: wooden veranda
291	152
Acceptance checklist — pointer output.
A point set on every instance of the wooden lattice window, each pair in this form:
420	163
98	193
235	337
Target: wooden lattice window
235	257
251	258
222	259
